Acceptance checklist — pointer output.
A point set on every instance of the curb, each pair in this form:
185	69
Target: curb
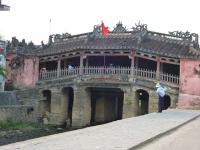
148	141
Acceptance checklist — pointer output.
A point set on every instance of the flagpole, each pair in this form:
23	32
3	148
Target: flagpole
50	26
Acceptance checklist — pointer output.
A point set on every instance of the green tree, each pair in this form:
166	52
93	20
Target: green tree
2	71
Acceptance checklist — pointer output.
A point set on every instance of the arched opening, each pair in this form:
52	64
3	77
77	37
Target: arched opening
47	100
167	102
44	106
106	105
68	99
143	101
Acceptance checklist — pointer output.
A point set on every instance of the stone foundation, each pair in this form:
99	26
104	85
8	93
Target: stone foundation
187	101
18	113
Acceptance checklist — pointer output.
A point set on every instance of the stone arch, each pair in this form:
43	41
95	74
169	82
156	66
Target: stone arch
167	102
67	104
142	96
47	99
106	104
44	106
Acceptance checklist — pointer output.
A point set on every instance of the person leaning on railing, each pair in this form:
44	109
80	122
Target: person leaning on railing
161	93
70	69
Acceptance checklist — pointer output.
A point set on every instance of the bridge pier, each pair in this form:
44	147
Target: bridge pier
130	106
81	113
58	114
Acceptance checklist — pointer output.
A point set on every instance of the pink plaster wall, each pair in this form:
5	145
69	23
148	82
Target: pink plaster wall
27	75
9	57
189	93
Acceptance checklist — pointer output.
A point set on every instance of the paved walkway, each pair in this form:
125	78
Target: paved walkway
185	138
118	135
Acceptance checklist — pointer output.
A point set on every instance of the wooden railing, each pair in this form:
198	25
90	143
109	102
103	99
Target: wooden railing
169	78
135	72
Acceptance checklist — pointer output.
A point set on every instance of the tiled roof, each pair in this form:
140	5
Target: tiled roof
144	41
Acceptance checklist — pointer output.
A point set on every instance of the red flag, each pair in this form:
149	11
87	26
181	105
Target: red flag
104	30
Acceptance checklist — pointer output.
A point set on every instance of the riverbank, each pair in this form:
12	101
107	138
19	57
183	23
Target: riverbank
11	132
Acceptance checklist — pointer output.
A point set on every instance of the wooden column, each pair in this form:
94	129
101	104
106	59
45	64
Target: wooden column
136	62
65	64
86	63
58	68
81	64
132	62
158	69
161	67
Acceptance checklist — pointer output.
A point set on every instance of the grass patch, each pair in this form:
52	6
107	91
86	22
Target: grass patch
14	125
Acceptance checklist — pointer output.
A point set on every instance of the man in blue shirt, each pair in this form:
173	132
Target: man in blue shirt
161	93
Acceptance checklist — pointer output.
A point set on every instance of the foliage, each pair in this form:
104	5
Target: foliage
9	86
16	125
2	71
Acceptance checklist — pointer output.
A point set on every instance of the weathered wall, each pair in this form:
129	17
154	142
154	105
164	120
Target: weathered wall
58	108
81	111
81	114
9	75
26	75
105	109
189	94
18	113
8	98
100	108
18	106
130	106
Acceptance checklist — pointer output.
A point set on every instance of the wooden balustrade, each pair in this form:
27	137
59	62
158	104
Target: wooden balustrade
169	78
98	70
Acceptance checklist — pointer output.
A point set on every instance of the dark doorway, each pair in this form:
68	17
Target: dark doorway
143	100
167	102
47	100
106	104
70	106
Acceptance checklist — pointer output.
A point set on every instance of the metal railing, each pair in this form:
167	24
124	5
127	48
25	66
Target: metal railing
98	70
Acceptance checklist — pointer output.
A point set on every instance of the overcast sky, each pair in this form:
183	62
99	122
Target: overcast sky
30	19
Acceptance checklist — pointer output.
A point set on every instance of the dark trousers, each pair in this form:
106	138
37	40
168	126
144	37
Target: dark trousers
160	104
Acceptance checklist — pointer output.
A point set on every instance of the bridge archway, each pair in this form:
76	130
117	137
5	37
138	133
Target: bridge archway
167	102
142	97
67	102
44	106
106	105
47	100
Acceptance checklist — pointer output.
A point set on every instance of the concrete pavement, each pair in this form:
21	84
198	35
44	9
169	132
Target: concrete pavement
119	135
185	138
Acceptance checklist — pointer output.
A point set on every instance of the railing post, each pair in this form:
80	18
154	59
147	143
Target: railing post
132	57
158	69
58	68
81	65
